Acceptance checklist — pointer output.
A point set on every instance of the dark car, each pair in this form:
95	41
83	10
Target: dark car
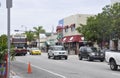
90	53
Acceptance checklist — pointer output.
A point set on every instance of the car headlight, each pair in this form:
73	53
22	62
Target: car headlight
102	54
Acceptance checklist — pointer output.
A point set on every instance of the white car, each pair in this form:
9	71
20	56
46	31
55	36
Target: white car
113	59
57	52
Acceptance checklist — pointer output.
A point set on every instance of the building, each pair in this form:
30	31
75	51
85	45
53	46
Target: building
46	40
67	33
114	1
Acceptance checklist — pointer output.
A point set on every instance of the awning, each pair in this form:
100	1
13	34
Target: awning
74	38
65	39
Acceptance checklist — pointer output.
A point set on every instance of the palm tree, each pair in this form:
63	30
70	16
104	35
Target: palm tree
30	36
37	32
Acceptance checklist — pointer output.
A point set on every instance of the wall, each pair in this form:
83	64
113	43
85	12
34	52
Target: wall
77	20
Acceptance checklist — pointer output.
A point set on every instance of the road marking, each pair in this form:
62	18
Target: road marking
44	69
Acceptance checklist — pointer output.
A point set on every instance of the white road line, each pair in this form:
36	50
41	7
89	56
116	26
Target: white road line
44	69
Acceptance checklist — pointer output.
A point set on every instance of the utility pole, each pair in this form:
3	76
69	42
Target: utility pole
8	5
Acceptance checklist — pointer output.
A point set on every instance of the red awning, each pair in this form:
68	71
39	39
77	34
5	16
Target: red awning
59	28
74	38
65	39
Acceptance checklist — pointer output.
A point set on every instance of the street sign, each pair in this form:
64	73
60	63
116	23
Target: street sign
0	4
9	3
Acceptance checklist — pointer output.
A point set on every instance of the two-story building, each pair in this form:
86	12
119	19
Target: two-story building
70	38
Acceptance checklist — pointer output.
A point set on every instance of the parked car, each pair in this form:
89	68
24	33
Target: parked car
113	59
28	49
90	53
57	52
35	51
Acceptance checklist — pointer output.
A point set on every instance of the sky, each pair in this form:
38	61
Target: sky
26	14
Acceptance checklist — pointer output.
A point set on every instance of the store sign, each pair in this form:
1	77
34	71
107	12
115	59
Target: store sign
19	36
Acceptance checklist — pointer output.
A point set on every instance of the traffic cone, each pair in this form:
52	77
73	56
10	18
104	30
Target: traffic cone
29	68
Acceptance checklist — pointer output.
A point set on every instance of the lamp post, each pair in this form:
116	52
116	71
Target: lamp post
8	5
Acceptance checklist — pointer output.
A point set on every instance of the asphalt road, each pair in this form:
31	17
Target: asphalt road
42	67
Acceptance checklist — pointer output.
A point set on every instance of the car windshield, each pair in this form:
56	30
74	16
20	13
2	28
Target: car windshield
34	49
93	49
58	48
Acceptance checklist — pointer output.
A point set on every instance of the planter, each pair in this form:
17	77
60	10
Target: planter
2	70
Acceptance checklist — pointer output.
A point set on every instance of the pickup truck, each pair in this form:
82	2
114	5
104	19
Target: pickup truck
113	59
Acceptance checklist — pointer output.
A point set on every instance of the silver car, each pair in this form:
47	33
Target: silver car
57	52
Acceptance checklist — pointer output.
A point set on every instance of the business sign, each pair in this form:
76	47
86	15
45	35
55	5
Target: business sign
9	3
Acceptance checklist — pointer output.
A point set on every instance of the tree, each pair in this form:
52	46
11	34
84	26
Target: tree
30	35
113	12
3	42
37	32
3	48
100	27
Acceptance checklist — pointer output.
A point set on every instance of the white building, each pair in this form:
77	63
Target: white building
72	22
114	1
71	38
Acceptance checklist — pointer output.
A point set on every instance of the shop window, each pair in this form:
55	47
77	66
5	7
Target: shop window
66	29
73	28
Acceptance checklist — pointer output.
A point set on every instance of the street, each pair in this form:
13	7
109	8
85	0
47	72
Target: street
42	67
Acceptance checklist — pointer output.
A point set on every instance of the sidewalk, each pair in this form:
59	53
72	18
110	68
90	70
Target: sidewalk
14	75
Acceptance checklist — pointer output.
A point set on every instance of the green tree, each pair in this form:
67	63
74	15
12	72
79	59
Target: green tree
30	35
3	48
100	27
113	12
3	42
37	32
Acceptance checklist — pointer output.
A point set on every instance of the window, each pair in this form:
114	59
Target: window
73	28
66	29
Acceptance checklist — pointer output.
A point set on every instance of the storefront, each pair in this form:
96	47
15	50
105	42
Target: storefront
72	43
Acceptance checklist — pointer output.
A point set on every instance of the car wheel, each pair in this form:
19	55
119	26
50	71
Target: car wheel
66	57
54	57
80	57
89	58
113	65
101	60
48	56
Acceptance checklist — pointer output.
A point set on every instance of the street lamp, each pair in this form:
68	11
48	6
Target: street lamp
8	5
